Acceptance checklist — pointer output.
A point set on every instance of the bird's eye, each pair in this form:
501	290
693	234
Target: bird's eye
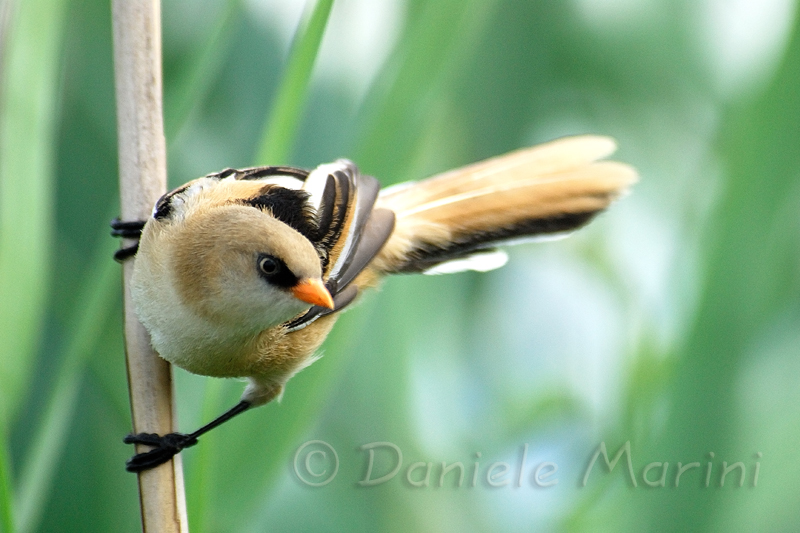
275	272
268	265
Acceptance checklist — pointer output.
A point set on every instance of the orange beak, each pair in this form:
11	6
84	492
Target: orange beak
313	291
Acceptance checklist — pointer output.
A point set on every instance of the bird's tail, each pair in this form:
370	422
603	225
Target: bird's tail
545	190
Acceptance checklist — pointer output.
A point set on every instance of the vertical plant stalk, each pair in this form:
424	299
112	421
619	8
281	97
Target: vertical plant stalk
143	178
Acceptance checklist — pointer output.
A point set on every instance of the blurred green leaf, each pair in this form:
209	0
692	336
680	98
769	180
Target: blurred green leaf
287	108
747	288
94	302
185	94
398	108
6	490
28	124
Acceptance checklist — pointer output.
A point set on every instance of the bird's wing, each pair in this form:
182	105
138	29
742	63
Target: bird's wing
351	231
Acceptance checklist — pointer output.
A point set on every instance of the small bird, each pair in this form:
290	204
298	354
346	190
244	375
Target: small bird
242	273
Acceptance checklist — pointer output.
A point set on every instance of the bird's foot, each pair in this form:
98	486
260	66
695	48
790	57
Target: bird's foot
165	448
126	230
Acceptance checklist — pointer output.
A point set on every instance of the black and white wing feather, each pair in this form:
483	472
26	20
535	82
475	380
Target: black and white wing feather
350	230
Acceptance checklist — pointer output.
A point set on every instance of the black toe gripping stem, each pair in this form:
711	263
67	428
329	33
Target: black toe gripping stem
165	448
168	445
126	230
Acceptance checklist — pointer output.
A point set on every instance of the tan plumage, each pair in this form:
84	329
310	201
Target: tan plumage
204	284
545	182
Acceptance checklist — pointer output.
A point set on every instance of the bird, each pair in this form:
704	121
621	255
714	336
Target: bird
243	273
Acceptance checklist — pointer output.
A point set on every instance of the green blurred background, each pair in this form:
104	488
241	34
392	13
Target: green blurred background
672	322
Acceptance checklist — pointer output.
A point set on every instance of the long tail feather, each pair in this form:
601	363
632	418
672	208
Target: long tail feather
550	188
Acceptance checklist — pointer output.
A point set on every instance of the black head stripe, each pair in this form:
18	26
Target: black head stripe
287	205
164	205
265	172
224	173
255	173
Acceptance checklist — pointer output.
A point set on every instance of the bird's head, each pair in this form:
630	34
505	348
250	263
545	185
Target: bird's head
241	268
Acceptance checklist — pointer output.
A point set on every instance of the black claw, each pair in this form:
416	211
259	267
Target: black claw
131	229
165	448
126	230
151	439
123	253
145	461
